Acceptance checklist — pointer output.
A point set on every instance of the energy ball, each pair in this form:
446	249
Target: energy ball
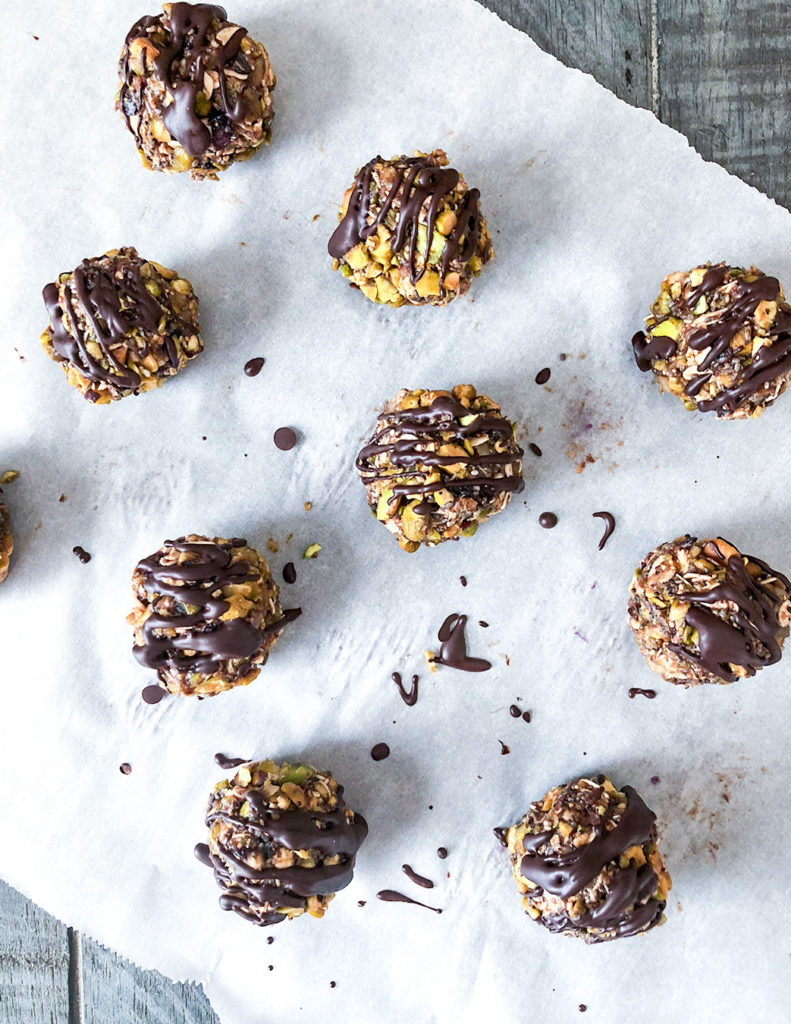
6	540
196	90
586	860
207	613
120	325
719	337
281	841
703	612
439	464
410	232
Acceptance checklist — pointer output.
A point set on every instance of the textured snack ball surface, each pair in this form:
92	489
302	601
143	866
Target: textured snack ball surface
719	338
702	612
281	841
196	90
6	540
206	615
439	464
586	861
410	232
120	325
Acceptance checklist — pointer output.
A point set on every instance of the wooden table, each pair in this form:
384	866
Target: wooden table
714	70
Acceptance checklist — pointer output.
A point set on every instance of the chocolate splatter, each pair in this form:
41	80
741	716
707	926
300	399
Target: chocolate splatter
413	876
453	651
417	183
442	853
391	896
535	449
548	520
125	768
332	984
226	763
270	939
463	580
153	694
582	1007
526	716
380	751
254	366
654	780
482	624
285	439
503	748
82	554
289	573
515	711
637	691
409	697
543	375
609	526
360	903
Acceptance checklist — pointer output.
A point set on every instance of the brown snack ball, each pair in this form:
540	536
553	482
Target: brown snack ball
439	464
281	841
207	613
6	541
702	612
196	90
719	337
397	209
586	861
120	325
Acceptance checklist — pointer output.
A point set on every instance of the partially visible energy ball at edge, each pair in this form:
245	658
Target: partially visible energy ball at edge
702	612
206	615
120	325
281	841
196	90
586	861
439	464
410	232
719	337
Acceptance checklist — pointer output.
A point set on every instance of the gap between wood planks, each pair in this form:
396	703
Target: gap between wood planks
76	999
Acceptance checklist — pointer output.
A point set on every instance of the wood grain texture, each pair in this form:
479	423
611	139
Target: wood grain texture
723	81
34	963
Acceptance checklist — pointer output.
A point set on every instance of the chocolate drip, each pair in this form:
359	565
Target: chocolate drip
748	638
391	896
204	639
289	573
609	526
413	876
329	833
191	47
153	694
501	835
416	428
453	651
442	853
97	293
548	520
566	874
543	375
380	751
254	366
82	554
227	763
636	691
535	449
285	439
409	697
645	351
418	183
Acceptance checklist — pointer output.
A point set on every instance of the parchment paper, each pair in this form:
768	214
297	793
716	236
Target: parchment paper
590	203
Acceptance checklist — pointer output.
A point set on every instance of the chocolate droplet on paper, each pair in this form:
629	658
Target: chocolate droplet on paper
153	694
82	554
413	876
543	375
254	366
548	520
636	691
289	573
535	449
380	751
391	896
285	439
609	526
125	768
229	762
442	853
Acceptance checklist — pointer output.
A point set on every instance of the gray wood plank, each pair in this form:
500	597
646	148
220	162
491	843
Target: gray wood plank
610	39
115	991
723	81
34	963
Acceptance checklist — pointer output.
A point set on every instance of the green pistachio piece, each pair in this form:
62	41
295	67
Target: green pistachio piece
311	550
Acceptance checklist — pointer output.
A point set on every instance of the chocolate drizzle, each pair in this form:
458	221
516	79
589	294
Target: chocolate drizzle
409	697
391	896
453	651
203	639
622	910
328	833
646	352
637	691
609	526
226	763
413	876
97	293
418	182
748	637
196	54
417	428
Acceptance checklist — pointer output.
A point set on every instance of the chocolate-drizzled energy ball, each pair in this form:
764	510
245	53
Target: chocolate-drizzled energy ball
207	613
719	337
703	612
120	325
586	860
6	540
196	90
410	232
281	841
439	464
